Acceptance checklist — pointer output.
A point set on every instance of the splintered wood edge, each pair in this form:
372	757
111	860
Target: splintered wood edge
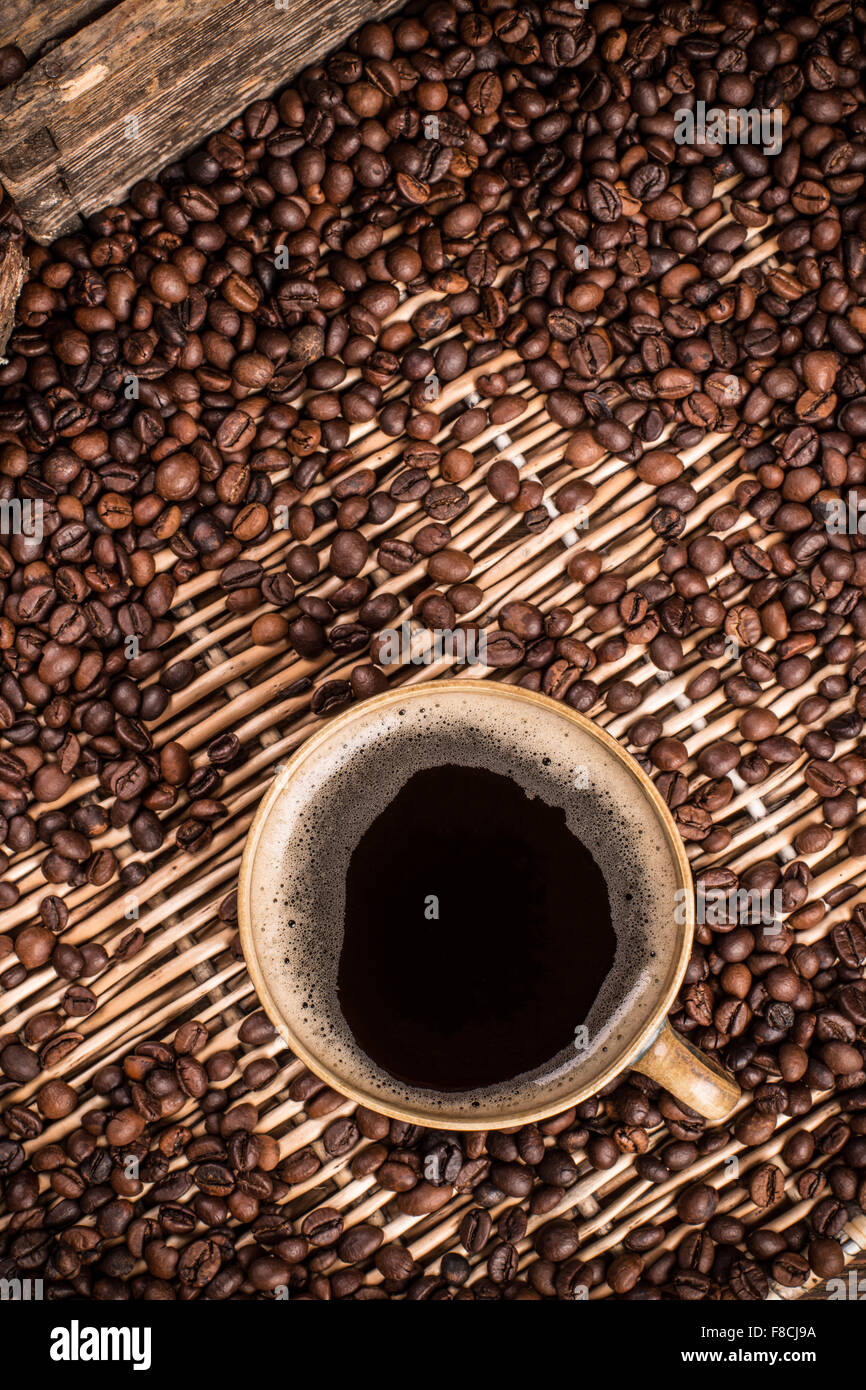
13	272
143	84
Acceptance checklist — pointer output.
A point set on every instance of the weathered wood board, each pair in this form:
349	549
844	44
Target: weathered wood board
141	83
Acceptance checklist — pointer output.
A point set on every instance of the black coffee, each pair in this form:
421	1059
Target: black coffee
477	932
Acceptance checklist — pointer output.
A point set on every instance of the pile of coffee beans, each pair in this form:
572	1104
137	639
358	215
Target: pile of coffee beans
196	371
168	1189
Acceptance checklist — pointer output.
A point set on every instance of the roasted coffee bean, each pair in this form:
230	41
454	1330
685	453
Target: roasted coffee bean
475	1230
322	1227
766	1185
826	1257
748	1281
696	1204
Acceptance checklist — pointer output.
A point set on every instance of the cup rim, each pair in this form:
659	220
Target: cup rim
482	1119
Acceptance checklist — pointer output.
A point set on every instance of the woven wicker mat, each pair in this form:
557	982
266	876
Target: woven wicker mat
182	961
187	964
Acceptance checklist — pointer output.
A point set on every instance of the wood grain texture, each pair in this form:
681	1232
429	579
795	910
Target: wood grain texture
143	83
33	23
13	269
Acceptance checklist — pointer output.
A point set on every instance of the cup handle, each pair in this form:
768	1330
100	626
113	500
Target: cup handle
688	1074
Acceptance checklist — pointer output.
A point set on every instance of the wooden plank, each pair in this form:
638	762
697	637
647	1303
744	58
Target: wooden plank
32	24
143	83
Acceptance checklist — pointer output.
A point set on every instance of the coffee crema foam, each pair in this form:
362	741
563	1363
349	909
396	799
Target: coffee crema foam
298	879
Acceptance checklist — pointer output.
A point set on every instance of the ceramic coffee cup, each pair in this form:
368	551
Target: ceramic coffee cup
292	893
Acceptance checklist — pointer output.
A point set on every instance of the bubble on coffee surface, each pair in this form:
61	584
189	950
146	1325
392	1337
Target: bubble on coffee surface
309	837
